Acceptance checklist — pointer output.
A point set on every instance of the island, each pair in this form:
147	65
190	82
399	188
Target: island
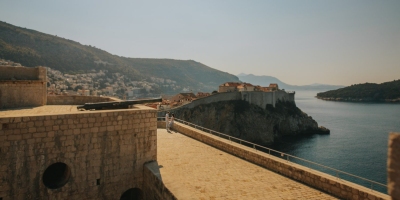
365	92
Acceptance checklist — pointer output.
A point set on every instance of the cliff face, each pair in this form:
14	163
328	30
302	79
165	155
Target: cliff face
249	122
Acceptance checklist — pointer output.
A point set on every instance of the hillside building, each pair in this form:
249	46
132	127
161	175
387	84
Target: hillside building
202	94
273	87
229	87
246	87
183	98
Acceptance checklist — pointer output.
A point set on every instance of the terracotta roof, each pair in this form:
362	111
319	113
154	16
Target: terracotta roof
188	95
247	84
200	94
273	85
231	84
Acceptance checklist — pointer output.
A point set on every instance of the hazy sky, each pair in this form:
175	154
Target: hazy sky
300	42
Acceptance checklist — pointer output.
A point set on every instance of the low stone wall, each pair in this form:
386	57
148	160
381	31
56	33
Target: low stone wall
23	73
394	166
89	155
153	187
75	99
327	183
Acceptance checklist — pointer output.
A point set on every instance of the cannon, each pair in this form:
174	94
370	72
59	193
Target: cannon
116	104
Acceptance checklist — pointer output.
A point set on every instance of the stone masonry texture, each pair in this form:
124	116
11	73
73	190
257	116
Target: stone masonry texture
104	150
22	87
153	186
23	73
14	94
394	166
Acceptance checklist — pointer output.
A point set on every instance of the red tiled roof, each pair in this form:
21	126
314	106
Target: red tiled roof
188	95
231	84
247	84
273	85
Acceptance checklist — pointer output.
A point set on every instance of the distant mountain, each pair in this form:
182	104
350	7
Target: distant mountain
32	48
266	80
366	92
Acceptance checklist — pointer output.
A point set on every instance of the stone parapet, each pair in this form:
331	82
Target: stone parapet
327	183
96	154
23	87
394	166
75	99
153	187
22	93
23	73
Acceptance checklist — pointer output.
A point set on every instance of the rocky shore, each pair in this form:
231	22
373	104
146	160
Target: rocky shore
360	99
252	123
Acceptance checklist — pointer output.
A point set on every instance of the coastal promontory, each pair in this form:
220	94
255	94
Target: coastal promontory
366	92
250	122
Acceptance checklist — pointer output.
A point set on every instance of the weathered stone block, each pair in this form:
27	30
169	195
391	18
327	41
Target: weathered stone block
32	130
14	137
38	123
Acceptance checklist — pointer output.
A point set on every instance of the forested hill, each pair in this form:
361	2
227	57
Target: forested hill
385	92
32	48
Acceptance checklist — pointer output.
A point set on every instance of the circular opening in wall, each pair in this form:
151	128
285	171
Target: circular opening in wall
132	194
56	175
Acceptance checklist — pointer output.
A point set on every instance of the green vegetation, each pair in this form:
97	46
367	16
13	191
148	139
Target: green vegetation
388	91
32	48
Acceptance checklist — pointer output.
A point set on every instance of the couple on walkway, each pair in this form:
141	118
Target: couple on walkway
169	121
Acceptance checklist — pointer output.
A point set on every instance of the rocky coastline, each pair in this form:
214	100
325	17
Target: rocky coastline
359	99
252	123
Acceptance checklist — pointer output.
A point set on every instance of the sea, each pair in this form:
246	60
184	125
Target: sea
357	143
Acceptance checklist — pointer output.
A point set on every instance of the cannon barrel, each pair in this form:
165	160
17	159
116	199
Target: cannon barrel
115	104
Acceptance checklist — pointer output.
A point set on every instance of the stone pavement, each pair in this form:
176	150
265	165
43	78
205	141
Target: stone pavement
193	170
51	110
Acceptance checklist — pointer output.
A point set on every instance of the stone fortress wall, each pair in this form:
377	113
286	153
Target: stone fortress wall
88	155
22	87
261	99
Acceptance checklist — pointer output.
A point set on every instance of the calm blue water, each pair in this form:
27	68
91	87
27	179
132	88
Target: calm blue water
358	141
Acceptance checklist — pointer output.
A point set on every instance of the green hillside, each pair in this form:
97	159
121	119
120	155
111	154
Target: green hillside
365	92
32	48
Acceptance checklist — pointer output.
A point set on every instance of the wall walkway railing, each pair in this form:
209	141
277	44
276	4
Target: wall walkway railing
373	185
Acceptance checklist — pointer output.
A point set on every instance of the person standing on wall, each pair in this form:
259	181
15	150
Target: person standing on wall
171	122
167	121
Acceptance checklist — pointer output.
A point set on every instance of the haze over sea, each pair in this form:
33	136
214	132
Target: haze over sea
358	142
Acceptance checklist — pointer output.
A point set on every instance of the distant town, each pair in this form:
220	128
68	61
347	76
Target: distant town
103	83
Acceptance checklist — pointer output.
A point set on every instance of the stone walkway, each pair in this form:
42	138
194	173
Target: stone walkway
193	170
